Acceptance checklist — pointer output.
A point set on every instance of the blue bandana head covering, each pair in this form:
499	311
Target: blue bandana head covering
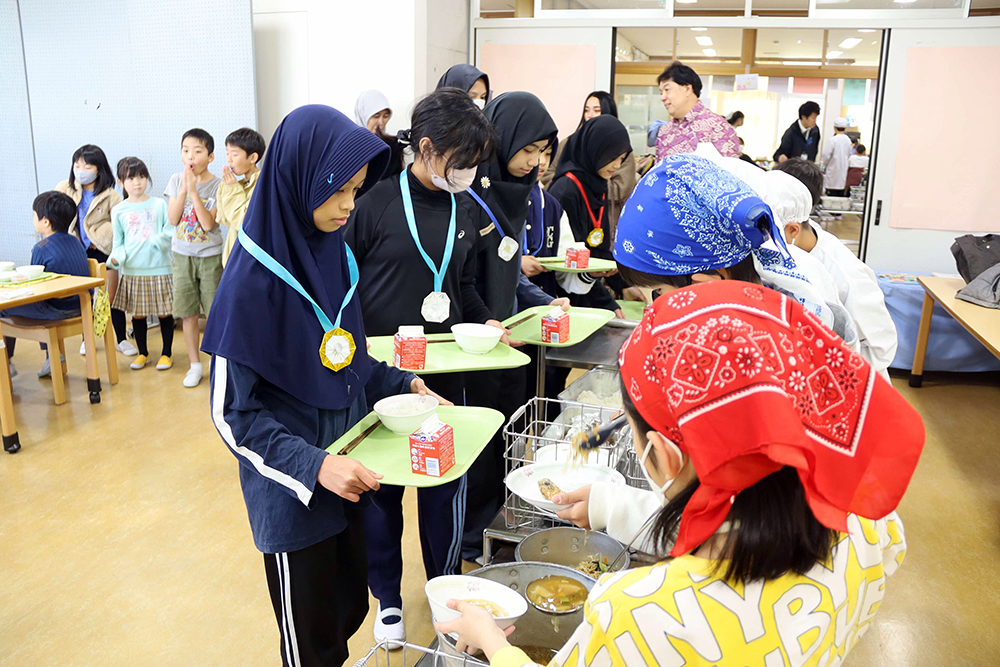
689	215
259	321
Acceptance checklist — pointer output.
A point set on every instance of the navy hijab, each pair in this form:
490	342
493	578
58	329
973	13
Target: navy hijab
259	321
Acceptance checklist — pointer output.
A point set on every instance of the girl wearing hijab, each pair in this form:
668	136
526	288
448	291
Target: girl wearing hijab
415	241
622	182
782	533
592	155
470	79
290	375
373	113
502	189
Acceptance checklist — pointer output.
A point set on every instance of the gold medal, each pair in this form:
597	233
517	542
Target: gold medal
337	349
595	238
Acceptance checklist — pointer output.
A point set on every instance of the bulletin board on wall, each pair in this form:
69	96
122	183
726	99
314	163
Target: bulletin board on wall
562	84
132	76
947	161
17	184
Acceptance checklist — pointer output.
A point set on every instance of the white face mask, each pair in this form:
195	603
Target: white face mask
84	177
480	103
658	490
461	179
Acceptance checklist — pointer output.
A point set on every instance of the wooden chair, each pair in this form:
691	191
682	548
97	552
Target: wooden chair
53	333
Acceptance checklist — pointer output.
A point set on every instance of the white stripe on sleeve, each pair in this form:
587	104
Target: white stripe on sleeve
255	459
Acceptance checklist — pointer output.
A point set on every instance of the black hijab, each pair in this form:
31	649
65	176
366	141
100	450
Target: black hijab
600	140
464	76
519	119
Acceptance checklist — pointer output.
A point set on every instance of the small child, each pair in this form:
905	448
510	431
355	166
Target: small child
59	252
197	245
244	149
141	252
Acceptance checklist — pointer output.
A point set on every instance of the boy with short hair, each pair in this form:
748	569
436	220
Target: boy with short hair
197	245
244	150
59	252
856	282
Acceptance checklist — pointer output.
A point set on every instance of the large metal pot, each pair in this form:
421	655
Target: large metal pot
535	628
568	546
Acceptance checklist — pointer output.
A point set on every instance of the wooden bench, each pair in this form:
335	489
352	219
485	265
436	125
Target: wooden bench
54	332
982	323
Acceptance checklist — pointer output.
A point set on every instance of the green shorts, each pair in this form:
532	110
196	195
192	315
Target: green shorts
195	282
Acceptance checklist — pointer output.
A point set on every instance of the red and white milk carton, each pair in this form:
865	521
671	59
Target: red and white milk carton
432	448
410	348
577	258
555	326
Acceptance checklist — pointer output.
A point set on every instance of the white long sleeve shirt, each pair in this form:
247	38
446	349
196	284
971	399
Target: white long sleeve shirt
861	295
836	153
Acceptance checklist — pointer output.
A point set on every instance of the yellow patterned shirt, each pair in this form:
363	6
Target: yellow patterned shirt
679	613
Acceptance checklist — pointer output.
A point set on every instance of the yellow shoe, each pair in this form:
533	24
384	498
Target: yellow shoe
139	362
165	363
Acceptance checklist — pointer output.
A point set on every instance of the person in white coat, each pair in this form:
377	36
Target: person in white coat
836	154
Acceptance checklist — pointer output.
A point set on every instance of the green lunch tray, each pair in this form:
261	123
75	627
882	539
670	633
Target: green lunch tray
445	356
526	326
632	309
388	454
559	264
45	275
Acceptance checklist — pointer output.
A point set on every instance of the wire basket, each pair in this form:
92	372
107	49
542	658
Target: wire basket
404	654
542	430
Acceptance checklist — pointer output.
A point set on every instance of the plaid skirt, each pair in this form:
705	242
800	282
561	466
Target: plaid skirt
145	295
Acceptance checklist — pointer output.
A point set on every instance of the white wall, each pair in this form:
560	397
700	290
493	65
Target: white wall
322	52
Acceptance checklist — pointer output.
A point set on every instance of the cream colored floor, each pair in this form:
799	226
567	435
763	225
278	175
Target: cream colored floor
124	540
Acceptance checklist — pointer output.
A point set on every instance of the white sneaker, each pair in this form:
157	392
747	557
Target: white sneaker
83	349
46	369
394	633
193	377
127	348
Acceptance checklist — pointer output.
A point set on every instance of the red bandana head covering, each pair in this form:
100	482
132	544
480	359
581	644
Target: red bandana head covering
745	381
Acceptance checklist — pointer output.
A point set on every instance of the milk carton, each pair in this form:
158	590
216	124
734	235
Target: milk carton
577	258
432	448
555	326
410	348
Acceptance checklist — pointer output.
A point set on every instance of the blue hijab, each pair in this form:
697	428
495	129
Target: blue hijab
259	321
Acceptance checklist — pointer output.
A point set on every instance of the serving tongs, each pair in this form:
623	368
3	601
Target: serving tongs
591	439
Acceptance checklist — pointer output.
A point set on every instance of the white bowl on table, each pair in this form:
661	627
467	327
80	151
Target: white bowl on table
523	481
476	338
463	587
404	413
31	271
7	266
8	276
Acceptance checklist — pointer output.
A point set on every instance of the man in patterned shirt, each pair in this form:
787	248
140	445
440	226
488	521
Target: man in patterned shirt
691	122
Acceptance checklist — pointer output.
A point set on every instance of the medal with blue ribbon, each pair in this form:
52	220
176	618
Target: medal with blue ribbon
337	349
436	306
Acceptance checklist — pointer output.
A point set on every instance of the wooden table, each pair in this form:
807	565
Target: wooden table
983	323
62	286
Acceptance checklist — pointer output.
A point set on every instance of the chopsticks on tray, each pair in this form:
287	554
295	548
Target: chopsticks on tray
520	321
349	447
